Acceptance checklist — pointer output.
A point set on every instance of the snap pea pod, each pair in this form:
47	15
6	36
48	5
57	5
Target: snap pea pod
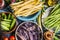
6	25
7	20
55	8
9	16
4	28
4	16
12	17
13	23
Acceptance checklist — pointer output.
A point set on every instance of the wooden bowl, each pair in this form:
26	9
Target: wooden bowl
15	26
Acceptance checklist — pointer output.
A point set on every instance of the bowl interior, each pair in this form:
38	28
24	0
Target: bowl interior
20	27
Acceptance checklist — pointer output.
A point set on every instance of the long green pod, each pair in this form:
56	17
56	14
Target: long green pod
13	23
55	25
4	15
9	16
51	16
56	12
48	21
57	28
7	20
52	19
6	25
12	17
4	28
54	22
55	8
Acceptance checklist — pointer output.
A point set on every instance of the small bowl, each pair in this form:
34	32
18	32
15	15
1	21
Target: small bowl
24	28
15	26
31	17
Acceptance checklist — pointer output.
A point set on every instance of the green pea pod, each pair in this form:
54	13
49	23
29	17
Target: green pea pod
7	20
12	17
13	23
9	16
6	25
4	28
4	15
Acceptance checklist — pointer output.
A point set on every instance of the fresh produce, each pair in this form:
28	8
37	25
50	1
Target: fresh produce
8	21
28	31
52	21
56	7
12	38
26	8
5	38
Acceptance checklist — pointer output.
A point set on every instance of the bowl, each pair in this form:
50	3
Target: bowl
27	29
13	29
29	18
